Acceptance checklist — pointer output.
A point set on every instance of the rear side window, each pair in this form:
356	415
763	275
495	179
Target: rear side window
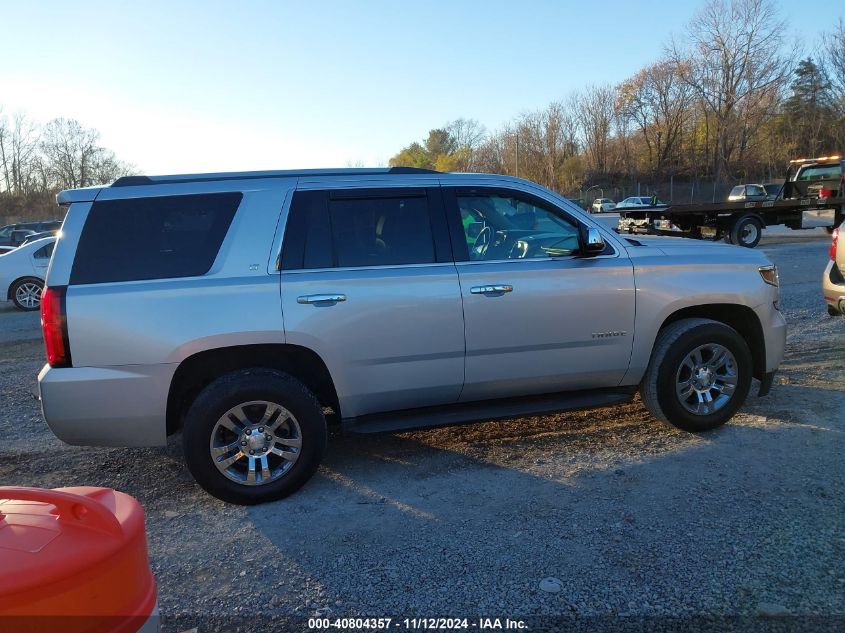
45	252
152	238
349	228
381	231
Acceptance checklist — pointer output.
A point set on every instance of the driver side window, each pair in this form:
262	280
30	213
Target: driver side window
499	226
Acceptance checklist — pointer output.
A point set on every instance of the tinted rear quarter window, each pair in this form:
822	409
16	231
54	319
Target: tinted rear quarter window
152	238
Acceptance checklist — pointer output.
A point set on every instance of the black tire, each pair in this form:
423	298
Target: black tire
746	231
237	388
673	344
21	283
830	229
833	311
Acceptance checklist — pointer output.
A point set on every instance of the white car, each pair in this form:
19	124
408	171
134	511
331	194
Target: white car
22	273
603	205
638	201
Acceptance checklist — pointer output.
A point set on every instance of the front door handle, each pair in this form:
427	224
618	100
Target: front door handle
491	290
328	298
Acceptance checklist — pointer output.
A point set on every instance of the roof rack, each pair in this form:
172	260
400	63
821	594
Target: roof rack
135	181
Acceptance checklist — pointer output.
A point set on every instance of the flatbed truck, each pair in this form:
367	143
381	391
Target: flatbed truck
810	184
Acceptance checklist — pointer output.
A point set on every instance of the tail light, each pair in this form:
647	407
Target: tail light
833	243
825	193
54	326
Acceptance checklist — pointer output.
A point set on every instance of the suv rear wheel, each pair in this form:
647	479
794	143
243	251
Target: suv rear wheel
699	374
254	435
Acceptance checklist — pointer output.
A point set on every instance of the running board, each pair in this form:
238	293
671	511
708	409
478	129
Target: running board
466	412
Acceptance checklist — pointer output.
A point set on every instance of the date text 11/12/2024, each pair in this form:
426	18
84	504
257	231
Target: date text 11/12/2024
480	624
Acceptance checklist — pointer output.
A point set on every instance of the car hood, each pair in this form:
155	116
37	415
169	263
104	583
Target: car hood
656	245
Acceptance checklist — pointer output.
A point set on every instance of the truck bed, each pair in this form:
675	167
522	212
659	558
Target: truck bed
716	208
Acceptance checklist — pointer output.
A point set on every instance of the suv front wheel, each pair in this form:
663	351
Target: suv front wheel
699	374
254	435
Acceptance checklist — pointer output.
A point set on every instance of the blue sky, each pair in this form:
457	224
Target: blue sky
204	86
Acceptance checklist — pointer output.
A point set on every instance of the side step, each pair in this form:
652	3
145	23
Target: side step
466	412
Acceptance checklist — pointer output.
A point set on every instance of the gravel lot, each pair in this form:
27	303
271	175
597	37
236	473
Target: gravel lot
632	517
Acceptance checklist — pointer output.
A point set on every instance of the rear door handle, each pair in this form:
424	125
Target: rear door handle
491	290
327	298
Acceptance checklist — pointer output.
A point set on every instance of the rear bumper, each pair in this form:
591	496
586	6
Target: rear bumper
833	287
114	406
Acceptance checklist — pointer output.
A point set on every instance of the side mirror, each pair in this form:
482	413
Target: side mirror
591	242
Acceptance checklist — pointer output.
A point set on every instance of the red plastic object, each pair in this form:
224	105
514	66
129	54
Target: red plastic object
74	560
825	193
834	239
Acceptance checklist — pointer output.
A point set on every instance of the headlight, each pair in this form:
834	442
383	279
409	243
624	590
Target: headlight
770	275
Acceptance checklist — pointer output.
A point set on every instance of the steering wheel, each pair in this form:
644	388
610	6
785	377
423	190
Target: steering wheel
482	242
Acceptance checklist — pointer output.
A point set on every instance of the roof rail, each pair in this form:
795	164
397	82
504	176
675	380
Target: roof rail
135	181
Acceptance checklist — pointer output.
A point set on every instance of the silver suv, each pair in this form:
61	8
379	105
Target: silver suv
251	310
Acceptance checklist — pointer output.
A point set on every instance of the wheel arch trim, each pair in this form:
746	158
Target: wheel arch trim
198	370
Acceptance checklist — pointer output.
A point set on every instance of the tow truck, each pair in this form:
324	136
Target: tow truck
810	184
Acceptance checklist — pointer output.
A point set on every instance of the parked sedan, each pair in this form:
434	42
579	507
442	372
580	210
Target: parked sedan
9	232
833	282
748	193
773	190
22	273
37	236
603	205
639	201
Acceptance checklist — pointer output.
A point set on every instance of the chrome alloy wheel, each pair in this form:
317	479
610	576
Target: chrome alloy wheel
28	295
707	378
255	442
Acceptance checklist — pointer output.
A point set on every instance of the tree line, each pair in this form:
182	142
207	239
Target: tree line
730	99
37	160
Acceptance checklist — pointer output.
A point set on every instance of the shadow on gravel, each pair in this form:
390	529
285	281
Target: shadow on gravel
813	407
407	525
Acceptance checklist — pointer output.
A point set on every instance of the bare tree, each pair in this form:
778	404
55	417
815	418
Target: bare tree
72	153
467	136
596	109
734	63
546	139
19	153
834	53
834	63
5	151
658	100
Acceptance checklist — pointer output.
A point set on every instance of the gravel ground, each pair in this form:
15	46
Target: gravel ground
630	517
